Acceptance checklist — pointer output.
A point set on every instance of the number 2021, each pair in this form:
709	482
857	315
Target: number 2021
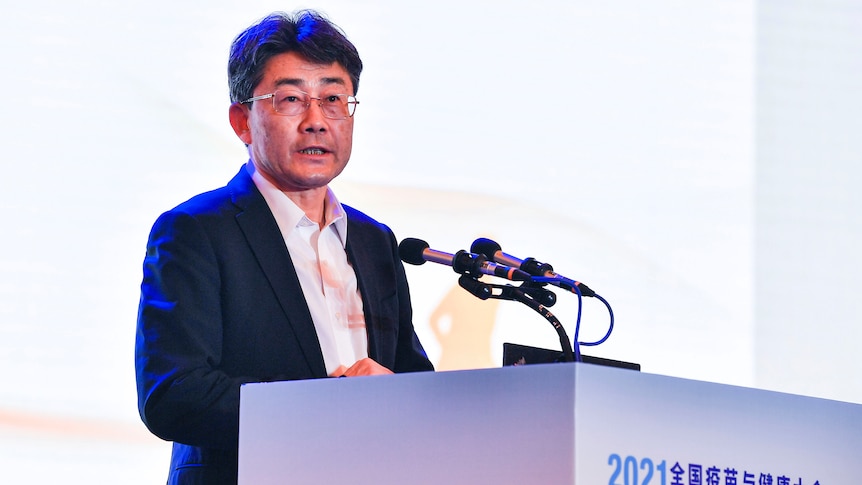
629	468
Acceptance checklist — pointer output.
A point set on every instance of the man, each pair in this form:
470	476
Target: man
269	278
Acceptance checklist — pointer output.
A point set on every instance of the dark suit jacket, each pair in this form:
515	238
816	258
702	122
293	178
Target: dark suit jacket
221	305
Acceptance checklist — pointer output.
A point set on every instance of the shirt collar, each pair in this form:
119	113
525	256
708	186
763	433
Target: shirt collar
289	216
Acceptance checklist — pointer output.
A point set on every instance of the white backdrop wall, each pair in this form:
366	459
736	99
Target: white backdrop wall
808	200
695	164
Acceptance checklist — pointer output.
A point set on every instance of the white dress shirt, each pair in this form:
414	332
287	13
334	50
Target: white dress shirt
327	279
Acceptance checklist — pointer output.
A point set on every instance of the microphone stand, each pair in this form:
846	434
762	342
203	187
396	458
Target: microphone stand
526	294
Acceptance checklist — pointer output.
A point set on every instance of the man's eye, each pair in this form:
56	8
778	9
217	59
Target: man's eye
290	99
332	99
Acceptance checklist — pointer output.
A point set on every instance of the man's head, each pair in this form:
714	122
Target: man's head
306	32
292	80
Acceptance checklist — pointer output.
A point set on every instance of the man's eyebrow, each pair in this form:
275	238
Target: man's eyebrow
301	83
289	82
333	80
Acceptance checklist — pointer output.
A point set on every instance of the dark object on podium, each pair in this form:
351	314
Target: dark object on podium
514	354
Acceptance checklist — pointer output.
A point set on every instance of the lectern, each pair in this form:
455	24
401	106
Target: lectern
542	424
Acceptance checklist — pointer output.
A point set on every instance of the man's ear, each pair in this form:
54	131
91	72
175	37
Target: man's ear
238	114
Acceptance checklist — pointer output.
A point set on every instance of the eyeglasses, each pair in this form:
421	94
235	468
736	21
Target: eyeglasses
291	103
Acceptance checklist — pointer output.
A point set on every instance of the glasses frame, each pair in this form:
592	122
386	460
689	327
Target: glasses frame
351	103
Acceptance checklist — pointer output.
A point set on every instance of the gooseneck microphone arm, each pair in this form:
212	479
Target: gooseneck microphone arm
528	296
542	274
514	293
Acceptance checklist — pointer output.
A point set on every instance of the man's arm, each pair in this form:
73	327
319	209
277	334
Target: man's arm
181	394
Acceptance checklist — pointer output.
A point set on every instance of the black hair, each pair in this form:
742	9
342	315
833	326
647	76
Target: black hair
306	32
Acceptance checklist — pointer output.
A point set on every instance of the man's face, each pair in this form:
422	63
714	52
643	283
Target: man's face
304	151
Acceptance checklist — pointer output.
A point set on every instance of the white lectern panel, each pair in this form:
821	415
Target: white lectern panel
698	433
542	424
486	426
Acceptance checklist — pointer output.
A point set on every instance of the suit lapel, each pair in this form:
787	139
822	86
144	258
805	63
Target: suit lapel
264	238
358	259
363	255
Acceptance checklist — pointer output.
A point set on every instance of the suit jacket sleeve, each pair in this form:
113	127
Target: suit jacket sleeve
182	394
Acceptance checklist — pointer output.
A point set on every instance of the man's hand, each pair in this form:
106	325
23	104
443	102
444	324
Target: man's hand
362	367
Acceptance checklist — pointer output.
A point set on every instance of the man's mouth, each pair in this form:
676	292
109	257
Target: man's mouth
312	151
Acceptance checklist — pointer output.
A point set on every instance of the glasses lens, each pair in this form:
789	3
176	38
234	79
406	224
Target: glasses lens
336	106
351	105
289	103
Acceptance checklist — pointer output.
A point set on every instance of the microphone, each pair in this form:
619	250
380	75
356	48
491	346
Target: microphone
416	251
491	250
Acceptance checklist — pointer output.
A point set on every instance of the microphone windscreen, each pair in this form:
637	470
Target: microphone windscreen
485	247
411	250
